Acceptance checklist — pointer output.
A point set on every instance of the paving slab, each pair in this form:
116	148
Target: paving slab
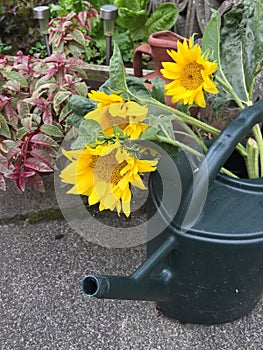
15	203
42	305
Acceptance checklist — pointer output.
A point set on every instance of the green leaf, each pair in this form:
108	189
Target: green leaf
75	50
59	98
149	134
21	133
44	140
258	30
4	128
117	70
158	89
88	132
164	17
233	48
134	5
137	88
51	130
131	19
18	77
79	37
80	105
81	89
211	37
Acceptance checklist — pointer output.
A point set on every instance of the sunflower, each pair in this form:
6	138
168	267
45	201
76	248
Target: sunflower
105	175
114	110
190	74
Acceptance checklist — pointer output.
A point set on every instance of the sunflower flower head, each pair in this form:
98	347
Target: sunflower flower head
105	174
190	74
113	110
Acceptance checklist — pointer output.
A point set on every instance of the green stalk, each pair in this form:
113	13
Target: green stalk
181	116
259	140
252	159
180	145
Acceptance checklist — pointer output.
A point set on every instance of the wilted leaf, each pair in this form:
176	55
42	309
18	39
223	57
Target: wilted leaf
36	183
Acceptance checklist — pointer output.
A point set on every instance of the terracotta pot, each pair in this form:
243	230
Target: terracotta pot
158	44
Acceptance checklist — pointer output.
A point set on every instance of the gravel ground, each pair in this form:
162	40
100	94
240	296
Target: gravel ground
43	307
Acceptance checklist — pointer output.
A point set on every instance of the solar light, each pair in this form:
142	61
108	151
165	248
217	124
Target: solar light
42	13
108	13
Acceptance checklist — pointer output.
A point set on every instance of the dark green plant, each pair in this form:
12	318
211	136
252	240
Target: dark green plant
18	29
133	16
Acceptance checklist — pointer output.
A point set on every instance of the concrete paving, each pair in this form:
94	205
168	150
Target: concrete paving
42	306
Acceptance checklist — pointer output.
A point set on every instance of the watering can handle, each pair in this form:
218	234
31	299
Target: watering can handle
215	158
225	144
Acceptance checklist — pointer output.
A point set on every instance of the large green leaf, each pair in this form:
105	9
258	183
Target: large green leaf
211	37
80	105
237	54
131	19
117	70
164	17
136	87
258	30
134	5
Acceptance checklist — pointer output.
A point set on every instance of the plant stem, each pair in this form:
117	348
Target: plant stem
258	137
226	85
188	119
252	159
180	145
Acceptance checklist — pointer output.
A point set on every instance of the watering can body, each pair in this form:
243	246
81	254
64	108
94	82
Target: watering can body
218	262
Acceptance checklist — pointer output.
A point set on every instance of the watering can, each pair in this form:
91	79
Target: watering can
212	272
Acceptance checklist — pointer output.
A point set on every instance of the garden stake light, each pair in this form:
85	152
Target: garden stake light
42	13
108	13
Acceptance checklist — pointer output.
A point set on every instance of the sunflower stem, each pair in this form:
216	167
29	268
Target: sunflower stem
180	145
259	140
181	116
226	85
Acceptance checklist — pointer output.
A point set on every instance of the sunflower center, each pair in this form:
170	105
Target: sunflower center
116	176
191	76
119	121
108	170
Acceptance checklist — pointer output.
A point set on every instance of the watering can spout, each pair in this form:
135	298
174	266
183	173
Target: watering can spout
143	284
128	288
